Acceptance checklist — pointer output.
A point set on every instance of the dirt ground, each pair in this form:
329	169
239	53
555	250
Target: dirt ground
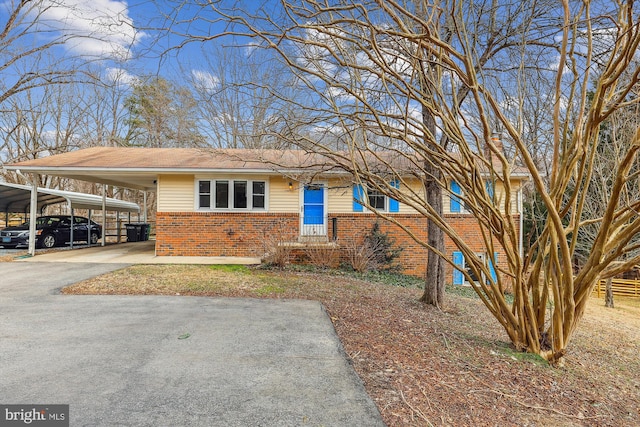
423	366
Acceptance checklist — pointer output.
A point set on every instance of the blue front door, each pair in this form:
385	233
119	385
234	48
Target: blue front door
314	217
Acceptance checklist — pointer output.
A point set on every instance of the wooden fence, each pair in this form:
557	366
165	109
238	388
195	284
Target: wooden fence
621	287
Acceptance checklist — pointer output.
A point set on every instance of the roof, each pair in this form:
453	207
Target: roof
136	167
17	198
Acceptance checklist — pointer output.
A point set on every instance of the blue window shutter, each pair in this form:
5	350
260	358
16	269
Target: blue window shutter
458	261
455	201
394	206
358	194
492	269
490	186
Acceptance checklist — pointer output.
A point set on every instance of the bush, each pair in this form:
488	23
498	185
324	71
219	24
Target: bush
376	252
325	255
277	249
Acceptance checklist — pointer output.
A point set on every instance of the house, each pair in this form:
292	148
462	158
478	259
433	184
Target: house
233	202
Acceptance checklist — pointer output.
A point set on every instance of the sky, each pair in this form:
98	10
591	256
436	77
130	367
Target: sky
123	38
126	40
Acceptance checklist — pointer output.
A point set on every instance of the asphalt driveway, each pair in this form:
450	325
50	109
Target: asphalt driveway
171	361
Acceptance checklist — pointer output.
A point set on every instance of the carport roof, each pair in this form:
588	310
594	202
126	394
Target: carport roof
16	198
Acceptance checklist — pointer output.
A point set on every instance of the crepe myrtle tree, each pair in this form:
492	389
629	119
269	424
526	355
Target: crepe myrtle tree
399	87
341	69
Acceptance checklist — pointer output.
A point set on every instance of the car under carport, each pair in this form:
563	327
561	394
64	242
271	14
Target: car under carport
17	198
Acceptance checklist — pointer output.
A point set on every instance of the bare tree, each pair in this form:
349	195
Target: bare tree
237	109
615	134
362	68
45	42
41	122
21	49
44	46
105	118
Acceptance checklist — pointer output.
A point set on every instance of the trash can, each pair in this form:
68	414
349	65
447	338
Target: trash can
138	232
134	232
145	230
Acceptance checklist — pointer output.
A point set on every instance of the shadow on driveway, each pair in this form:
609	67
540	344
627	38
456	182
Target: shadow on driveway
171	361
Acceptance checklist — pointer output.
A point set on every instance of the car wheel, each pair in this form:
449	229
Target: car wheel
48	241
94	238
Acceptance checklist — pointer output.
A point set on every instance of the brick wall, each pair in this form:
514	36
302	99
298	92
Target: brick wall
221	233
351	229
250	234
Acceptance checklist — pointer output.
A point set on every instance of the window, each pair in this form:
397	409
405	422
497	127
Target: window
222	194
240	194
204	190
259	194
376	199
461	265
490	186
457	204
232	194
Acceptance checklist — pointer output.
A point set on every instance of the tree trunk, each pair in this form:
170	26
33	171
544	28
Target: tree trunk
434	278
608	298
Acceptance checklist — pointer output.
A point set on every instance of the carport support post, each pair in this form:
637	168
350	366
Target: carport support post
73	223
33	213
144	215
104	215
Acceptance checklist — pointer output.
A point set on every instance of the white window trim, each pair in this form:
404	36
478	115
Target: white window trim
384	196
387	202
212	195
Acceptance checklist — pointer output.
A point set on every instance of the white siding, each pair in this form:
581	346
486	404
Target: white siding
176	193
281	198
340	197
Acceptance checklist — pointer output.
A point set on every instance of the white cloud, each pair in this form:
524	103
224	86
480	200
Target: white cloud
121	77
339	95
100	28
205	81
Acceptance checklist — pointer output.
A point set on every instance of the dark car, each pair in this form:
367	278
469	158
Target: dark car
54	230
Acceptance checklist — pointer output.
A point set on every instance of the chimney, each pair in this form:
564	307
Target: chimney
497	142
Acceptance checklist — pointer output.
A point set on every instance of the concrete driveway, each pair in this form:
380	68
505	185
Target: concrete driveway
171	361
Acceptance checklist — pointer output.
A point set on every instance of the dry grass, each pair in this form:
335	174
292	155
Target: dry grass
428	367
12	257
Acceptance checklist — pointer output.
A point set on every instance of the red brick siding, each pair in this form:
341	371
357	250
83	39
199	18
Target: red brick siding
220	234
353	227
248	234
468	227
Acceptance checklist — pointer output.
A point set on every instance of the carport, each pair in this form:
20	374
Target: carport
16	198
